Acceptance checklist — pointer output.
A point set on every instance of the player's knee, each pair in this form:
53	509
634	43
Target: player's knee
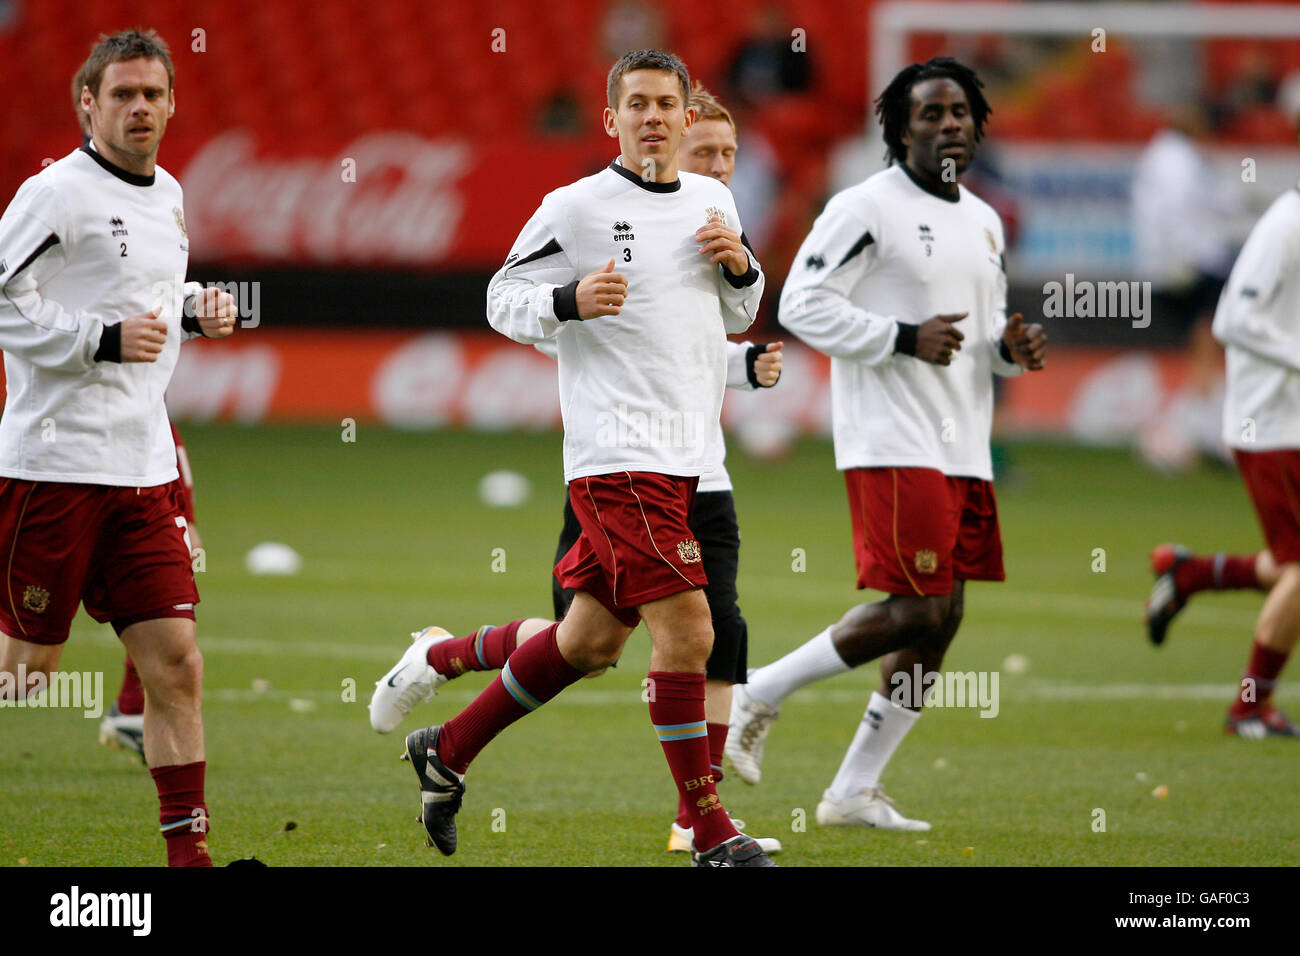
178	676
921	618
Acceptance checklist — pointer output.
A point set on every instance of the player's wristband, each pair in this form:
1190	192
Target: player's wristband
905	344
1005	353
565	300
740	281
751	367
190	323
110	344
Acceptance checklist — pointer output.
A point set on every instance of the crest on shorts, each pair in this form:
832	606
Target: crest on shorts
36	599
180	220
715	212
927	562
689	551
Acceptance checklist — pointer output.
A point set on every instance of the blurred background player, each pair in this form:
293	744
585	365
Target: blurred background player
663	360
1181	217
86	249
912	404
1258	322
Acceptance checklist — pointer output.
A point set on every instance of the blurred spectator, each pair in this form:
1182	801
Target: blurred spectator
767	64
561	114
1288	99
754	184
1181	212
631	25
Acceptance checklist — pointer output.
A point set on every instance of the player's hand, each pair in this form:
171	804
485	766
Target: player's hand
601	292
1026	343
143	337
196	543
767	365
216	313
723	245
937	339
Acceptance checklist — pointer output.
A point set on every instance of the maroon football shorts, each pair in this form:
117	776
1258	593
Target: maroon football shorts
636	544
915	530
122	551
1273	480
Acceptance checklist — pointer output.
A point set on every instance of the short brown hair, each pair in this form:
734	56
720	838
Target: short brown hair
707	107
78	82
645	60
120	47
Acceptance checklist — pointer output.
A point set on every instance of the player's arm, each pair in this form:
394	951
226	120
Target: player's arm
36	328
1247	316
815	303
536	290
1016	347
752	366
740	276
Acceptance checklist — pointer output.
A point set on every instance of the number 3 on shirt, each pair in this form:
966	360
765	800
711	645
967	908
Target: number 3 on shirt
627	253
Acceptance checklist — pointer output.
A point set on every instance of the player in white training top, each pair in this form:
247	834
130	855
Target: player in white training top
902	283
93	308
1258	323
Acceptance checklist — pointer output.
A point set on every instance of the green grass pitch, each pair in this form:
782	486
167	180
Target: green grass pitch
393	537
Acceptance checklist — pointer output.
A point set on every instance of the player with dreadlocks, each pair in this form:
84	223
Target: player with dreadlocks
902	283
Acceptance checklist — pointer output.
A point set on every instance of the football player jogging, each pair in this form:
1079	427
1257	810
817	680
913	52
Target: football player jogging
93	252
122	728
708	148
1258	324
641	273
901	283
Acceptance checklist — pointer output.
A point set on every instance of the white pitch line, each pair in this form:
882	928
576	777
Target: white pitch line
1026	602
1036	690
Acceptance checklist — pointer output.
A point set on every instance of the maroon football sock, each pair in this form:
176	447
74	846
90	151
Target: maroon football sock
677	712
717	741
534	674
485	650
183	814
130	699
1217	572
1258	681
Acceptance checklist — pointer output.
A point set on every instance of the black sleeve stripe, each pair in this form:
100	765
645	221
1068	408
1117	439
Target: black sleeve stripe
50	240
550	249
858	246
744	241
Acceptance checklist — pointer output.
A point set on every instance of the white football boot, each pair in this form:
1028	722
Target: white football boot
679	839
750	721
869	808
122	731
411	681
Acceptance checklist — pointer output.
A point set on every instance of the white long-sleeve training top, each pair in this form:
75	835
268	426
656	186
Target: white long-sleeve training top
642	390
84	245
885	252
1258	323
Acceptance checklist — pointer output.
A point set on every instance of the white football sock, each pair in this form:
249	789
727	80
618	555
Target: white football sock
813	661
883	727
